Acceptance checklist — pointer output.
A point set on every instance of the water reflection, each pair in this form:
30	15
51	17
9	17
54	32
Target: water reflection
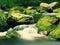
17	41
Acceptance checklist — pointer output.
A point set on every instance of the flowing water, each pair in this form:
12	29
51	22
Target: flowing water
26	37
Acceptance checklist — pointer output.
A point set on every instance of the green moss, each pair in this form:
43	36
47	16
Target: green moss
3	23
31	11
16	17
46	23
11	33
49	19
58	15
55	33
56	10
26	18
37	17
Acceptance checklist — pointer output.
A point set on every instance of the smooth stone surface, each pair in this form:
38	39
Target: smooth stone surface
3	35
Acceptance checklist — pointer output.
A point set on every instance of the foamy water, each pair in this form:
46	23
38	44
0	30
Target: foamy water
29	32
27	36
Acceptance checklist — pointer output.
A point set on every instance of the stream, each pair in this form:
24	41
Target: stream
27	33
27	42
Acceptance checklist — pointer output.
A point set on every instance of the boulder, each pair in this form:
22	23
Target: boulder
55	33
15	18
46	23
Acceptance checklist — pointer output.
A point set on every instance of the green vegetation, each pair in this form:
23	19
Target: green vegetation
46	23
37	17
56	10
11	33
16	17
3	23
58	15
55	33
30	12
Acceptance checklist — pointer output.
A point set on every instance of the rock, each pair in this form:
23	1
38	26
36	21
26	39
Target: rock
55	33
58	15
56	10
30	11
44	7
15	17
46	23
43	32
20	19
3	35
11	33
51	14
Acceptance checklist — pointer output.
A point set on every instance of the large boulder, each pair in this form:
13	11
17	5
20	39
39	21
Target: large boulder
55	33
15	17
3	35
46	23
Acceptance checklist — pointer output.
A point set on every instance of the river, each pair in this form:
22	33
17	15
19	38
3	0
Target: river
17	41
20	41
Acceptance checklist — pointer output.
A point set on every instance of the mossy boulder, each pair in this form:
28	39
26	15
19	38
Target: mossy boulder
55	33
56	10
30	10
11	33
19	9
46	23
58	15
15	17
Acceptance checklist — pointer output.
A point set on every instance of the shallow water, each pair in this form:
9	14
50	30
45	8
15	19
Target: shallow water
17	41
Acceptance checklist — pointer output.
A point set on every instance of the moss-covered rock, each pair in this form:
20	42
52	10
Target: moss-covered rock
19	9
15	17
49	19
46	23
30	10
20	19
56	10
58	15
11	33
55	33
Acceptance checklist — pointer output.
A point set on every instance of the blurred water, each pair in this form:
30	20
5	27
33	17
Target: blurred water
17	41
